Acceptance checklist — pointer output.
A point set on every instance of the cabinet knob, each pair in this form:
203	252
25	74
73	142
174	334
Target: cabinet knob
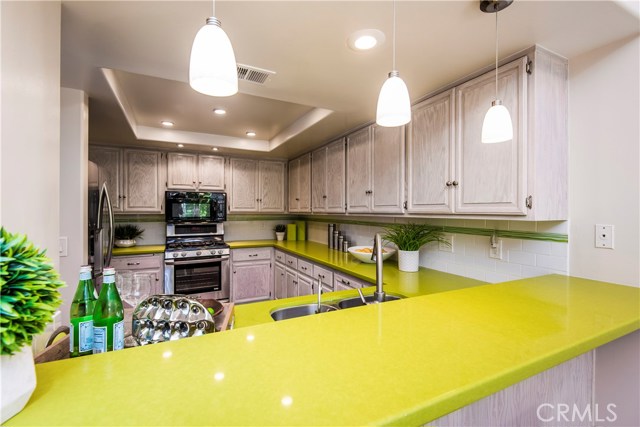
133	263
455	183
449	183
324	197
124	197
297	200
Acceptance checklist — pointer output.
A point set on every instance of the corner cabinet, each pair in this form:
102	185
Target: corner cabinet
256	186
300	184
375	170
195	172
328	178
449	169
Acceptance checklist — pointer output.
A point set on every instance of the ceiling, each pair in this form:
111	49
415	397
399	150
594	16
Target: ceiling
132	59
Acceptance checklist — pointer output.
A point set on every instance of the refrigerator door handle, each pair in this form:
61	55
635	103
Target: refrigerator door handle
104	198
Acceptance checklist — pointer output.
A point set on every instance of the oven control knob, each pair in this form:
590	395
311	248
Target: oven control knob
220	251
198	253
183	254
175	254
212	252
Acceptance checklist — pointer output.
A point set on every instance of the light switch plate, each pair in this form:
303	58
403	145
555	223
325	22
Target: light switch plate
495	252
63	244
604	236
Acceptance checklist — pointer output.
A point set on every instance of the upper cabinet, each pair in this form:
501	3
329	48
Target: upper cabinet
449	169
195	172
256	186
300	184
134	178
375	170
328	178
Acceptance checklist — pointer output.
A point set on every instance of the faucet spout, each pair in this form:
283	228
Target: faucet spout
318	310
379	294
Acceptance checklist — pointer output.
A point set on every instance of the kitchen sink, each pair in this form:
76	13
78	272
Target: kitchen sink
357	302
299	311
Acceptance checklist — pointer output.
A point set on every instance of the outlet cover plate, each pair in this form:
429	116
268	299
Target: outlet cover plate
604	236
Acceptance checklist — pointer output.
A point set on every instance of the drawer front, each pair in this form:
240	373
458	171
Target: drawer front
341	281
305	267
137	262
291	261
251	254
280	256
325	275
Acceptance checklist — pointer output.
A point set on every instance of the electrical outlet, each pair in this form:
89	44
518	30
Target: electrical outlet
63	245
604	236
495	250
443	246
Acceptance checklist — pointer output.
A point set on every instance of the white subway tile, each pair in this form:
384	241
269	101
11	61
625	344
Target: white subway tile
475	223
537	271
497	224
511	244
536	247
458	269
553	262
464	239
455	222
485	263
522	225
477	250
507	268
476	273
524	258
460	258
559	249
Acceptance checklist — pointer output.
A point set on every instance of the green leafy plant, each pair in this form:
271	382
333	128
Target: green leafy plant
128	232
280	228
28	291
411	237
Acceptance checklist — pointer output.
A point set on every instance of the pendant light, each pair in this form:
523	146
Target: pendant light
394	105
212	68
497	126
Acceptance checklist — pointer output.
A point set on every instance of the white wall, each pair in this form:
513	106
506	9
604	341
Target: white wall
74	146
604	188
31	121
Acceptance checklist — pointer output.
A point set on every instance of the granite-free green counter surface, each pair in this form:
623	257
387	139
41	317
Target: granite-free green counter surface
139	250
423	282
402	362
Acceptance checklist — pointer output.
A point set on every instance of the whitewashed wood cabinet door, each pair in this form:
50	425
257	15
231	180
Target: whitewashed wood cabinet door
271	186
294	185
304	186
291	282
319	180
491	178
210	173
244	186
359	171
109	160
387	172
182	171
305	285
251	281
431	155
335	177
280	281
142	180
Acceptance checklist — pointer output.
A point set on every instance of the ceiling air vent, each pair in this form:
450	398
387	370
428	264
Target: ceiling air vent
253	74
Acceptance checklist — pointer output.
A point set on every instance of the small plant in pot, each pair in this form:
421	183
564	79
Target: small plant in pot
125	235
280	229
29	297
409	238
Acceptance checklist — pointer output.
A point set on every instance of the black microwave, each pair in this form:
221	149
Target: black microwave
193	206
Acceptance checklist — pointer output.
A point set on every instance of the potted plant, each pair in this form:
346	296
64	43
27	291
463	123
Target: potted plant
125	235
409	238
280	229
29	297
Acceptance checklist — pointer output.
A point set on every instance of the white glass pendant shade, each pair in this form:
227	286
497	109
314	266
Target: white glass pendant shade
213	69
394	105
497	126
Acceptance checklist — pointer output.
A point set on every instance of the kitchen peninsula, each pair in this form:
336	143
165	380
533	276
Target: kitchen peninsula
403	362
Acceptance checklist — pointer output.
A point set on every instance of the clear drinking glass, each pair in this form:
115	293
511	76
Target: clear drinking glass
124	280
140	288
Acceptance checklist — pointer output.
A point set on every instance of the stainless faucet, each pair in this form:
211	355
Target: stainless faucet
318	310
376	256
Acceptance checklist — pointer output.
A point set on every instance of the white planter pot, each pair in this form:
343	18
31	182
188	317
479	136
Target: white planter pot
280	235
18	382
124	243
408	260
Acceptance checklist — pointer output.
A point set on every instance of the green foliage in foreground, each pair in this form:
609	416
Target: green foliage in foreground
28	291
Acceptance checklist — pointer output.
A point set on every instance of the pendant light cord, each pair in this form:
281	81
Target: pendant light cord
496	55
394	35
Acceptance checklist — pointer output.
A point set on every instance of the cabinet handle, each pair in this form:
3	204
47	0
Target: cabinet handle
124	197
324	197
455	183
297	200
194	183
133	263
252	255
449	183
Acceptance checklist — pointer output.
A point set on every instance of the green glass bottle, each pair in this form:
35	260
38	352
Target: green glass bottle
81	315
108	316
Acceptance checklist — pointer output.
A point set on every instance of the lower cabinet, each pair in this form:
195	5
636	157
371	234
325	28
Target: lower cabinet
280	281
297	276
152	264
342	282
251	275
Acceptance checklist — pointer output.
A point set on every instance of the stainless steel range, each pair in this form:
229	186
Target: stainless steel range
196	260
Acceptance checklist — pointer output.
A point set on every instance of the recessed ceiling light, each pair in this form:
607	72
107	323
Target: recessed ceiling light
365	39
215	148
180	145
166	123
251	133
219	111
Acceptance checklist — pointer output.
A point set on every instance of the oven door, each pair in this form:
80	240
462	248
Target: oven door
201	277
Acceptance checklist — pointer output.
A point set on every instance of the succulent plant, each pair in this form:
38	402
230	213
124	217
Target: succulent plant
128	232
280	228
28	291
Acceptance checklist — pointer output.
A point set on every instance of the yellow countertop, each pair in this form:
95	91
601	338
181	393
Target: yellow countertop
435	353
139	250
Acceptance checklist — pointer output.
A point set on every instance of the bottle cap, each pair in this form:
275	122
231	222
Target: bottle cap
85	269
108	271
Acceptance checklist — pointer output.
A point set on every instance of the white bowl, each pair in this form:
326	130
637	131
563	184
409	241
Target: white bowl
366	256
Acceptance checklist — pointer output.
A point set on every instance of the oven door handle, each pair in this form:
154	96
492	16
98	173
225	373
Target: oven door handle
196	261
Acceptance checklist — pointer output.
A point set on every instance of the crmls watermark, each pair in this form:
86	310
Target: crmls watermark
562	412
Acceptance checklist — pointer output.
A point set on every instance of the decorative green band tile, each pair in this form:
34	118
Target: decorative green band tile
121	217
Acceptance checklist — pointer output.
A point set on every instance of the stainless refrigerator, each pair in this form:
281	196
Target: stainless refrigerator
101	226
